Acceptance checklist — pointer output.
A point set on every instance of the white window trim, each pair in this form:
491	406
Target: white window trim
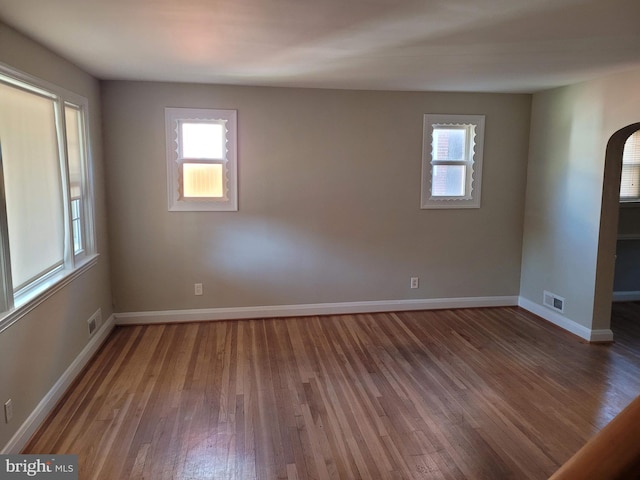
230	165
87	211
473	183
28	298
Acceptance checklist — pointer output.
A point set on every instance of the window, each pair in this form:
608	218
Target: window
630	182
201	159
452	161
45	213
76	160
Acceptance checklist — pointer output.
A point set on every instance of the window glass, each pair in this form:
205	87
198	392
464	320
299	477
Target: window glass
448	180
449	144
630	182
202	180
203	140
75	155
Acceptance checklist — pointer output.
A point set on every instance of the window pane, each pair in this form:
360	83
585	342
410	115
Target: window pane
203	140
448	180
76	222
32	183
72	118
631	153
202	180
449	144
74	153
630	183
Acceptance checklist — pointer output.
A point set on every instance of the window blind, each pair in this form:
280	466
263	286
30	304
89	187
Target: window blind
630	181
32	183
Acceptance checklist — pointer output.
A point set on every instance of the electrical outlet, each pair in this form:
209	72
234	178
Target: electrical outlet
8	411
414	282
197	288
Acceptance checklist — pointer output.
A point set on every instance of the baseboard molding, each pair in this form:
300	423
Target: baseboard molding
234	313
627	296
603	335
39	414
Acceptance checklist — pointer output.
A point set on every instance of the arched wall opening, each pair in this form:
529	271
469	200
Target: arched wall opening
609	220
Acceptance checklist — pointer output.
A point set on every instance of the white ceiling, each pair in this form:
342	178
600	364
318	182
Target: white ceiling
446	45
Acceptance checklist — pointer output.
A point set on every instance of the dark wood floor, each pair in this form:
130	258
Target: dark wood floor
466	394
625	323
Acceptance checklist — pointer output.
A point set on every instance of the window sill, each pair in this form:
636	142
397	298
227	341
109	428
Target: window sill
26	303
450	204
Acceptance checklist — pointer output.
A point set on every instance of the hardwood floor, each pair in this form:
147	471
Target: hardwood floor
465	394
625	323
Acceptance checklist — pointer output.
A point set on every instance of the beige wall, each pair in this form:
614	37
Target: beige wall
568	245
329	201
35	351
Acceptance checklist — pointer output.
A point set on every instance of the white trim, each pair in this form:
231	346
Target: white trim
627	296
18	78
46	290
46	405
604	335
472	159
229	202
271	311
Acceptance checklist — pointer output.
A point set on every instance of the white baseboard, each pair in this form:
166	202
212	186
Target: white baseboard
39	414
627	296
603	335
233	313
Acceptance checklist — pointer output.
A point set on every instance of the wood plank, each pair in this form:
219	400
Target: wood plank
453	394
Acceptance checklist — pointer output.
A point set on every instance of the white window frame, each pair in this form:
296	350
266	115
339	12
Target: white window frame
14	304
173	118
474	128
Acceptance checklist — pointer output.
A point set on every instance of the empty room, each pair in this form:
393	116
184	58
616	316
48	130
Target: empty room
320	240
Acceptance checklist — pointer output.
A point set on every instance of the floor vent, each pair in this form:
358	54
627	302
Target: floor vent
553	301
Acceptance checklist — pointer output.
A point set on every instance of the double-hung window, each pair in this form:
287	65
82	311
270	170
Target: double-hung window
201	159
630	181
452	161
46	213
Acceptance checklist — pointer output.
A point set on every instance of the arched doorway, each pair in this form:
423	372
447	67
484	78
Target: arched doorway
609	220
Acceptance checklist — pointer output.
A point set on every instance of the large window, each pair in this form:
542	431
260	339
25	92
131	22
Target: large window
630	182
46	228
452	161
201	159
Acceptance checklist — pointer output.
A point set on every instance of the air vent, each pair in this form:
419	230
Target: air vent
95	321
553	301
92	325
